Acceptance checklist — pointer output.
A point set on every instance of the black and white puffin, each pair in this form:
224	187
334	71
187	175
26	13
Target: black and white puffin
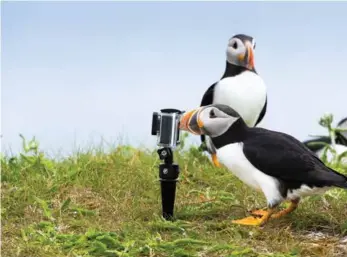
272	162
340	142
240	87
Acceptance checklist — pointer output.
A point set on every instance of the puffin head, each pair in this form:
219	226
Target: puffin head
240	51
211	120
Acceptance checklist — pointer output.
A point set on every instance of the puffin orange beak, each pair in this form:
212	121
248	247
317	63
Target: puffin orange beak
250	54
191	122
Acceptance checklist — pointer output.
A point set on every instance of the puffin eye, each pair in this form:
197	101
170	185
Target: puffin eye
212	114
234	45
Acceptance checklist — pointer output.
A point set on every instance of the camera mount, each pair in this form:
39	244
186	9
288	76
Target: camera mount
166	126
168	177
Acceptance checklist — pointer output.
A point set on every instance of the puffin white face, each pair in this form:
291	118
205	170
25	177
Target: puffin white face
240	51
212	120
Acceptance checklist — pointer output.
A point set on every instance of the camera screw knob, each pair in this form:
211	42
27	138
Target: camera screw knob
163	153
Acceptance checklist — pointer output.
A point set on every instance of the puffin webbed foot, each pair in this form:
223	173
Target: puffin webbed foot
247	221
255	221
293	205
259	212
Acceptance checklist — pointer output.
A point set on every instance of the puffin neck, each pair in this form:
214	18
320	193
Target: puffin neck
232	70
236	133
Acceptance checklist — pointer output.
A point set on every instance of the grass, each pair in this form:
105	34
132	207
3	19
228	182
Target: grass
108	204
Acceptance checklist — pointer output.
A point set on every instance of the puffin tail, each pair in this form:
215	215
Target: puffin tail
341	180
343	185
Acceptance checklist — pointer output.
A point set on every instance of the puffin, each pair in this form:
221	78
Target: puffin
317	144
274	163
240	87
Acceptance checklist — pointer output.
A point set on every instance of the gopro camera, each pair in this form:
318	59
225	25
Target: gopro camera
165	125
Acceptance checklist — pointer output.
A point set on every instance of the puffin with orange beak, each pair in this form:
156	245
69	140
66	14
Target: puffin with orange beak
271	162
240	87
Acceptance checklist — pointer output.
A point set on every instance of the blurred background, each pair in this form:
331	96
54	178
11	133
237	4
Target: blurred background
75	74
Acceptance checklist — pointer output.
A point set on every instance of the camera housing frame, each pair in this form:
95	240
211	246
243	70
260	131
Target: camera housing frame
165	125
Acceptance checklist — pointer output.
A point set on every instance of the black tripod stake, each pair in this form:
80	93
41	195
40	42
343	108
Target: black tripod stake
168	177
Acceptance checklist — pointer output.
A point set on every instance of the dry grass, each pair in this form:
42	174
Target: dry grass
69	208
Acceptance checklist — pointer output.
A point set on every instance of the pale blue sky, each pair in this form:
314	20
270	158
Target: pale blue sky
76	71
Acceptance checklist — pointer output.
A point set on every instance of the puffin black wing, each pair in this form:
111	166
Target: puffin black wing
262	114
287	159
207	99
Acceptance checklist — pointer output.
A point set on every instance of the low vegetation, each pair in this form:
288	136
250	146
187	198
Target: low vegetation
98	203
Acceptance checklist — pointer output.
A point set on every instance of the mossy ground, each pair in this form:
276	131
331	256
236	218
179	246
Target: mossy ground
108	204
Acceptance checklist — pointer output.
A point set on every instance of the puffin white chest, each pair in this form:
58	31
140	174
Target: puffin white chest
246	93
233	158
